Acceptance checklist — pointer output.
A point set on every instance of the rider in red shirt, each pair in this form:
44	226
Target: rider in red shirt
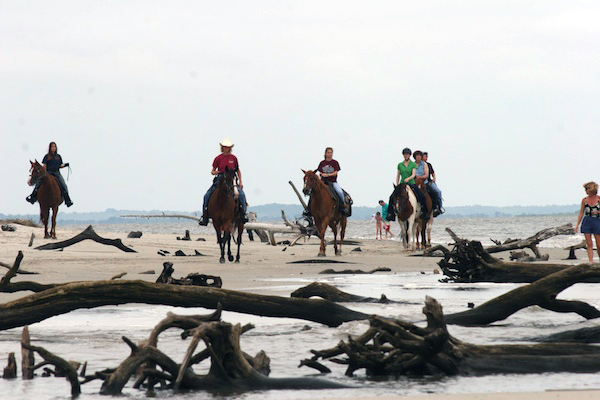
225	159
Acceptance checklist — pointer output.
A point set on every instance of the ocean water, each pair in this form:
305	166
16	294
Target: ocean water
94	335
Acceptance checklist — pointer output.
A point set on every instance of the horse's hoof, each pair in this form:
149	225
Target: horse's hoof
237	261
222	260
338	253
230	258
321	255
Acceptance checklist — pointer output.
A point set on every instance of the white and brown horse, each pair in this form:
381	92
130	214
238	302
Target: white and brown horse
424	226
324	210
408	211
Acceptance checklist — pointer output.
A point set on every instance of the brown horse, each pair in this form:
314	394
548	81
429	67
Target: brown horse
224	211
49	195
324	210
424	226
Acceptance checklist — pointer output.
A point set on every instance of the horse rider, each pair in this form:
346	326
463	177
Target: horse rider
223	160
53	163
431	179
406	174
329	169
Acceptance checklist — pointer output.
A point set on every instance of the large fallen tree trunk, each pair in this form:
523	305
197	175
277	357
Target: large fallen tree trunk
71	296
87	233
395	347
542	292
469	262
532	241
331	293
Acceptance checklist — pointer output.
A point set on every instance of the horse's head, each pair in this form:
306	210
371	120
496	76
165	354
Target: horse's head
227	179
311	180
36	172
400	197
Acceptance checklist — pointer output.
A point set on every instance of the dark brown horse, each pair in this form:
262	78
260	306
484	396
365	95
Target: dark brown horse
324	210
424	225
224	211
49	195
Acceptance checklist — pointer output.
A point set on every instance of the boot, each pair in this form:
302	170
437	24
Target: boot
32	198
204	220
306	214
68	201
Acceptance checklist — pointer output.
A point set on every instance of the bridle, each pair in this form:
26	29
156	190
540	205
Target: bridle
309	188
227	182
36	168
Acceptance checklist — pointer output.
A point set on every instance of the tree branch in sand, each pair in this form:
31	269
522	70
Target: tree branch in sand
542	292
331	293
395	347
470	262
88	233
72	296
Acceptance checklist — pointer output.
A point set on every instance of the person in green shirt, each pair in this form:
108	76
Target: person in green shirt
407	171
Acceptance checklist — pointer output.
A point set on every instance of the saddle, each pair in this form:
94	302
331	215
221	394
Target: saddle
336	198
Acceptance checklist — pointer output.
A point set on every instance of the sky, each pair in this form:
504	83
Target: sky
504	95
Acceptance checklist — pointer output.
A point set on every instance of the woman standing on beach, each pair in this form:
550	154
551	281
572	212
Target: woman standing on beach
590	211
224	160
53	163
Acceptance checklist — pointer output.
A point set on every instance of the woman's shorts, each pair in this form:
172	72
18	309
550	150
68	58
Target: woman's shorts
591	225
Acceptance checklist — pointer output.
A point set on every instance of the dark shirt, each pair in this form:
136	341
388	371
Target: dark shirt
431	171
329	167
52	163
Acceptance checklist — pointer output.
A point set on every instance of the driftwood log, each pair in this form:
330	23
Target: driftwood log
331	293
395	347
71	296
469	262
542	293
10	371
88	233
532	241
193	279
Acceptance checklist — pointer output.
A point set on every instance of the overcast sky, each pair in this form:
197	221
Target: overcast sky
504	95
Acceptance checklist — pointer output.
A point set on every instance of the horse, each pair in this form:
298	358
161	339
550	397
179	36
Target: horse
408	210
49	195
224	211
324	211
424	226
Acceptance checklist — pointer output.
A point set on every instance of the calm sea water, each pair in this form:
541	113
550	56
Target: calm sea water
94	335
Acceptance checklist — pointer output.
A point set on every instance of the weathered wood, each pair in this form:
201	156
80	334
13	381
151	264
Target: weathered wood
10	371
194	279
331	293
395	347
88	233
61	365
542	292
13	270
71	296
31	239
355	271
27	357
532	241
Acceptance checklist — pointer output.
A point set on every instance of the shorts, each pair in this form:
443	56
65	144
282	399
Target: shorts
590	225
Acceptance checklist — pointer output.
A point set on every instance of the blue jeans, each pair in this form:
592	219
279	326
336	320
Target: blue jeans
437	190
339	191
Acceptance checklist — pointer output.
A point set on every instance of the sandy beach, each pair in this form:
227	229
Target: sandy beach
263	269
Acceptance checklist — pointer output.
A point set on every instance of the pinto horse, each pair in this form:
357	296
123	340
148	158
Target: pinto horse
408	211
324	210
49	195
224	211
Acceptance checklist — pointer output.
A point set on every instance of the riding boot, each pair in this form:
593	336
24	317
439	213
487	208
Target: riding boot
204	220
67	198
306	214
32	198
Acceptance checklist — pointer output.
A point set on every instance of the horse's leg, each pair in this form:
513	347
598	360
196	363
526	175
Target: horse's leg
221	242
54	212
429	226
240	230
228	236
413	232
322	227
333	226
342	232
44	215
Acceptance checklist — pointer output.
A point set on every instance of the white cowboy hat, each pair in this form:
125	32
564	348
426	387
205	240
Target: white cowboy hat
226	143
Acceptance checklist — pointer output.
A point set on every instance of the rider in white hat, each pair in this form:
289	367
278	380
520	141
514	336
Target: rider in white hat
225	159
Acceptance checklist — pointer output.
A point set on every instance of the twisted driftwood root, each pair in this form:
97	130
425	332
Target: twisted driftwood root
88	233
395	347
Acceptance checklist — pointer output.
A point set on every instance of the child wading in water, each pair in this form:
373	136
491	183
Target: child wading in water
386	227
